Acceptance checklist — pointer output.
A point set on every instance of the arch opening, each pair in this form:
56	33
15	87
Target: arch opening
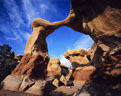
65	38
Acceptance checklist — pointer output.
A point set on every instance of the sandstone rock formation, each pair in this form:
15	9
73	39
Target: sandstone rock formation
54	67
83	73
35	57
101	23
63	80
99	19
81	63
77	57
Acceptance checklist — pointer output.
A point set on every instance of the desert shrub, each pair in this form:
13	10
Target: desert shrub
6	61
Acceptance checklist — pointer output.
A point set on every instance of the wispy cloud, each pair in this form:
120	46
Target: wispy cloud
65	61
13	13
29	11
26	35
44	8
41	9
16	37
84	42
16	21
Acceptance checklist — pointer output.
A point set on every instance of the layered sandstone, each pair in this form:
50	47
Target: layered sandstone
54	67
101	23
81	63
83	73
99	19
77	57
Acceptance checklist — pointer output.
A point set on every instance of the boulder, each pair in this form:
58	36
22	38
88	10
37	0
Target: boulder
54	67
12	83
68	76
63	80
55	82
77	57
37	88
26	84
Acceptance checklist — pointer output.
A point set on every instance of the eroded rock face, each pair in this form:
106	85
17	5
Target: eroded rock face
81	63
99	19
83	73
54	67
35	59
77	57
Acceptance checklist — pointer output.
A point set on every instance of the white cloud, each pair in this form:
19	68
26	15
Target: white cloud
17	18
29	10
39	11
13	13
44	8
4	29
17	37
26	35
16	21
84	42
65	61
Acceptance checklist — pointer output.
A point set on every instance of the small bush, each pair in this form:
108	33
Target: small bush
6	61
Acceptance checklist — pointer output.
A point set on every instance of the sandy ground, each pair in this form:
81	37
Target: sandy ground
12	93
60	91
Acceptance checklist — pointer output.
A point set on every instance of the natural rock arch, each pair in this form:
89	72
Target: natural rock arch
99	19
100	23
96	19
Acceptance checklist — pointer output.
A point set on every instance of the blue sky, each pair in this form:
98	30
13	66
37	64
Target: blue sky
15	26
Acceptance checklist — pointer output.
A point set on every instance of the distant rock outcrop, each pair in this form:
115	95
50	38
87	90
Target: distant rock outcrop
54	67
81	64
77	57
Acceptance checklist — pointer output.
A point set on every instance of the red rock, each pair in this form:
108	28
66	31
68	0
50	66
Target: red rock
83	73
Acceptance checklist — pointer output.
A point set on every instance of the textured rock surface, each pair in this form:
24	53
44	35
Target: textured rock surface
36	88
77	57
12	83
63	80
33	66
81	63
55	82
99	19
23	84
83	73
54	67
26	84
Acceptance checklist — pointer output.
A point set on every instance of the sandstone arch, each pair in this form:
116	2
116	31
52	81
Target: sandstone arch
99	19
